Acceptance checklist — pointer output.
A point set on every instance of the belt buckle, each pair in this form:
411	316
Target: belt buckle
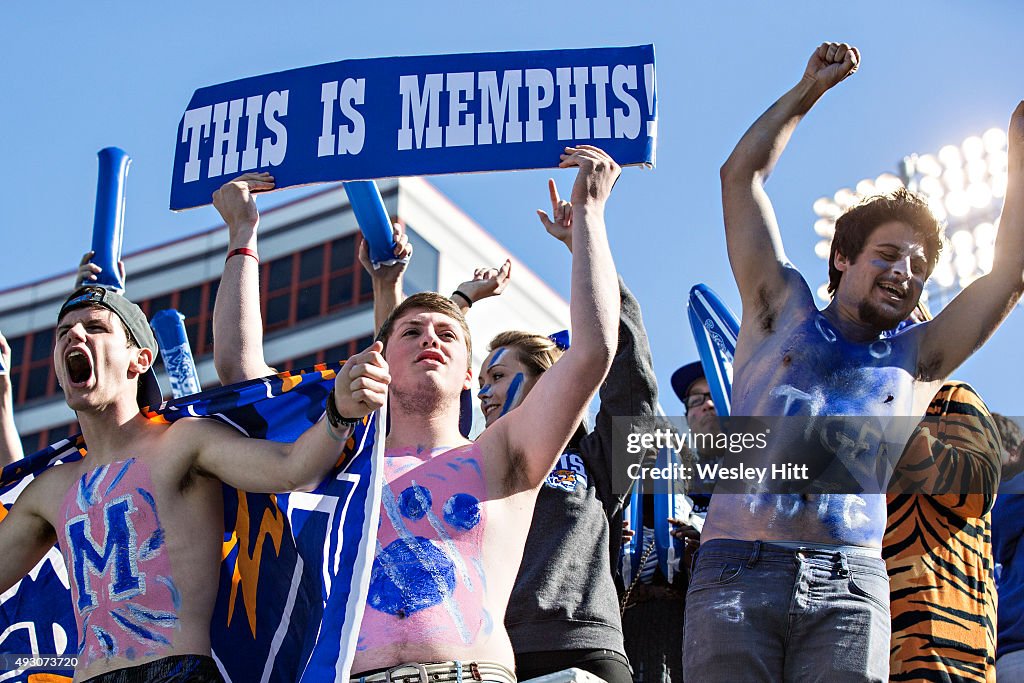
419	668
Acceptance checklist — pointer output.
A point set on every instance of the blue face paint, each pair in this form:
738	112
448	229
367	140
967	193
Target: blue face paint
498	353
511	399
485	390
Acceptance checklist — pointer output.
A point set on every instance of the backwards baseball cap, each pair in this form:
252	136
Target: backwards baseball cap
134	319
684	377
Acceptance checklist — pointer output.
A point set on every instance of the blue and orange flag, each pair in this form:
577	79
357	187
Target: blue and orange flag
295	566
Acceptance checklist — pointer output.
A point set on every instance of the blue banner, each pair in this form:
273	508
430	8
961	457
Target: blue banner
306	555
376	118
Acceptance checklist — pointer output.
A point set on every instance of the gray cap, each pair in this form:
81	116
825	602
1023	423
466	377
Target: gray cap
135	320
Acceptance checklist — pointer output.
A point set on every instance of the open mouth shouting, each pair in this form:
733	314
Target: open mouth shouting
79	367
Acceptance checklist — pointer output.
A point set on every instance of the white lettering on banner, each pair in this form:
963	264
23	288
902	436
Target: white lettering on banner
652	125
350	136
251	155
416	106
482	112
325	145
497	103
627	125
480	108
602	124
223	121
195	125
272	152
351	139
226	116
572	93
537	81
459	133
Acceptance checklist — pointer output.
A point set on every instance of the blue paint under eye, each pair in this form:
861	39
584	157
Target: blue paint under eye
497	356
513	393
485	390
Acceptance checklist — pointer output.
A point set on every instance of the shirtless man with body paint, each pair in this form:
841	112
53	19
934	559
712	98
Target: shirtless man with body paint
455	514
790	587
139	520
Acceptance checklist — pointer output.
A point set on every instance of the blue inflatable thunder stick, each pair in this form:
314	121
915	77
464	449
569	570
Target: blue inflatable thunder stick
169	328
108	224
715	330
373	219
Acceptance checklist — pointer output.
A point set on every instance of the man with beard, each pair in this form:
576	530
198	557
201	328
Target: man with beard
791	585
455	513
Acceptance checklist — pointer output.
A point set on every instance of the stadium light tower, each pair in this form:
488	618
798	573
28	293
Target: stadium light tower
964	187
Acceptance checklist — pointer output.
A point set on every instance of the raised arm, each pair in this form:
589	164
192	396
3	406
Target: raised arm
10	443
630	389
533	435
971	318
387	280
271	467
237	321
485	283
751	231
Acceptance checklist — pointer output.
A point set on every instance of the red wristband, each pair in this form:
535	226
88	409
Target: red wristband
243	251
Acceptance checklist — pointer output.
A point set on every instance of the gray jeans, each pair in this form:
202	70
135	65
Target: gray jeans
758	612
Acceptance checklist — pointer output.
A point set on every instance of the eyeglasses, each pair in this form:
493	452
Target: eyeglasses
694	400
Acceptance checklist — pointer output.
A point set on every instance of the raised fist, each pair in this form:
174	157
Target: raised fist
831	63
361	386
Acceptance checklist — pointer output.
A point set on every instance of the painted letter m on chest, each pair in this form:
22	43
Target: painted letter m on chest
114	563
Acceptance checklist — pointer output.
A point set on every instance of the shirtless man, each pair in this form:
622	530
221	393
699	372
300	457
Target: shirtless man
455	513
139	520
792	587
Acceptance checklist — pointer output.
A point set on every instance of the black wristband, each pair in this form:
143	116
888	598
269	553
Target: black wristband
469	302
336	419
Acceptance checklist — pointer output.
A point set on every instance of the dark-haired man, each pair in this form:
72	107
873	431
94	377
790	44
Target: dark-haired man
455	514
139	520
791	586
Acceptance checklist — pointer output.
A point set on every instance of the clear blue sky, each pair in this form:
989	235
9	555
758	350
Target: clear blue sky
81	76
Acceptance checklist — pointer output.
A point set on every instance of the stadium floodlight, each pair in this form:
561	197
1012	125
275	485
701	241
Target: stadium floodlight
964	186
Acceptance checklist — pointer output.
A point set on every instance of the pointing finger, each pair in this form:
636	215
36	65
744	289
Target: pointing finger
553	192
